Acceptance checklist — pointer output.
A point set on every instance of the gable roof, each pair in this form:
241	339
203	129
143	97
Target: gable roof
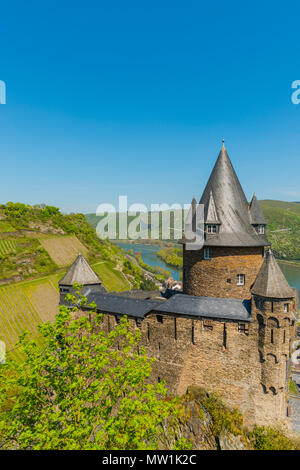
210	307
178	304
255	212
80	272
270	281
231	207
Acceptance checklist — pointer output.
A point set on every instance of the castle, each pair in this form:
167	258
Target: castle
230	330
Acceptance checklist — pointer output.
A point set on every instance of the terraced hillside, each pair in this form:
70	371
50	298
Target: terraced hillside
7	245
63	249
37	246
39	240
25	305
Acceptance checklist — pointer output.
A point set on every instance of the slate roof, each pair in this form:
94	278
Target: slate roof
255	212
210	214
80	272
270	281
180	304
140	294
224	198
116	304
211	307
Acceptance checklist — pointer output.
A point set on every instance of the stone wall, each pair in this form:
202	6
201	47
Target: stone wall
217	277
222	356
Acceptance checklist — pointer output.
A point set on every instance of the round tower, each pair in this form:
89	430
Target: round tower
234	239
274	309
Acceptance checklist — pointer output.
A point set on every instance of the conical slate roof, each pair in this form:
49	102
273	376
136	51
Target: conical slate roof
270	281
255	212
231	207
80	272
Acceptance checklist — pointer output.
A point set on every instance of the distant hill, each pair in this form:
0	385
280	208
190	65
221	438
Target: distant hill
283	230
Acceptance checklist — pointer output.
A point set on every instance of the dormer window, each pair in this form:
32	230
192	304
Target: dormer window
260	229
63	290
211	228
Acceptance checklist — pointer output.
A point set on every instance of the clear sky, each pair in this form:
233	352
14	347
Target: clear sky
109	98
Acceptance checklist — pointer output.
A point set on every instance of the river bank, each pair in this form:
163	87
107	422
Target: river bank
149	255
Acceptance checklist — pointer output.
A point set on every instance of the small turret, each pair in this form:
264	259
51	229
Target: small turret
80	272
273	306
256	216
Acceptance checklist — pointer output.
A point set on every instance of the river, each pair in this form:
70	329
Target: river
148	252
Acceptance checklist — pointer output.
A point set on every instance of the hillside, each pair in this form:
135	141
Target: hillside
37	245
40	240
283	229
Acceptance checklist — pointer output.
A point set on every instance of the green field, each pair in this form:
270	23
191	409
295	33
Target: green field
6	227
7	246
63	249
112	279
23	306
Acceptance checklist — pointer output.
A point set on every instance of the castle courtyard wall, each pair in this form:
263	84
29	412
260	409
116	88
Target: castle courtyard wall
215	355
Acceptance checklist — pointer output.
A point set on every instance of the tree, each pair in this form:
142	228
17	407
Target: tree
78	387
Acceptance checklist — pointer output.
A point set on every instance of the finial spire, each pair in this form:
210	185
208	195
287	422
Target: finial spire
223	145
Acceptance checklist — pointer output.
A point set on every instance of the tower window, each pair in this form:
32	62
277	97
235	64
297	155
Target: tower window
64	289
260	229
159	318
224	336
206	253
207	325
286	308
193	333
243	328
240	280
211	229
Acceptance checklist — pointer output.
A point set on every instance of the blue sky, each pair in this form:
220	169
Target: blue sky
133	98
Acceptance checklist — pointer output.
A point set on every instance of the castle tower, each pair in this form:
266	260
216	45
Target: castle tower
80	272
234	239
274	308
